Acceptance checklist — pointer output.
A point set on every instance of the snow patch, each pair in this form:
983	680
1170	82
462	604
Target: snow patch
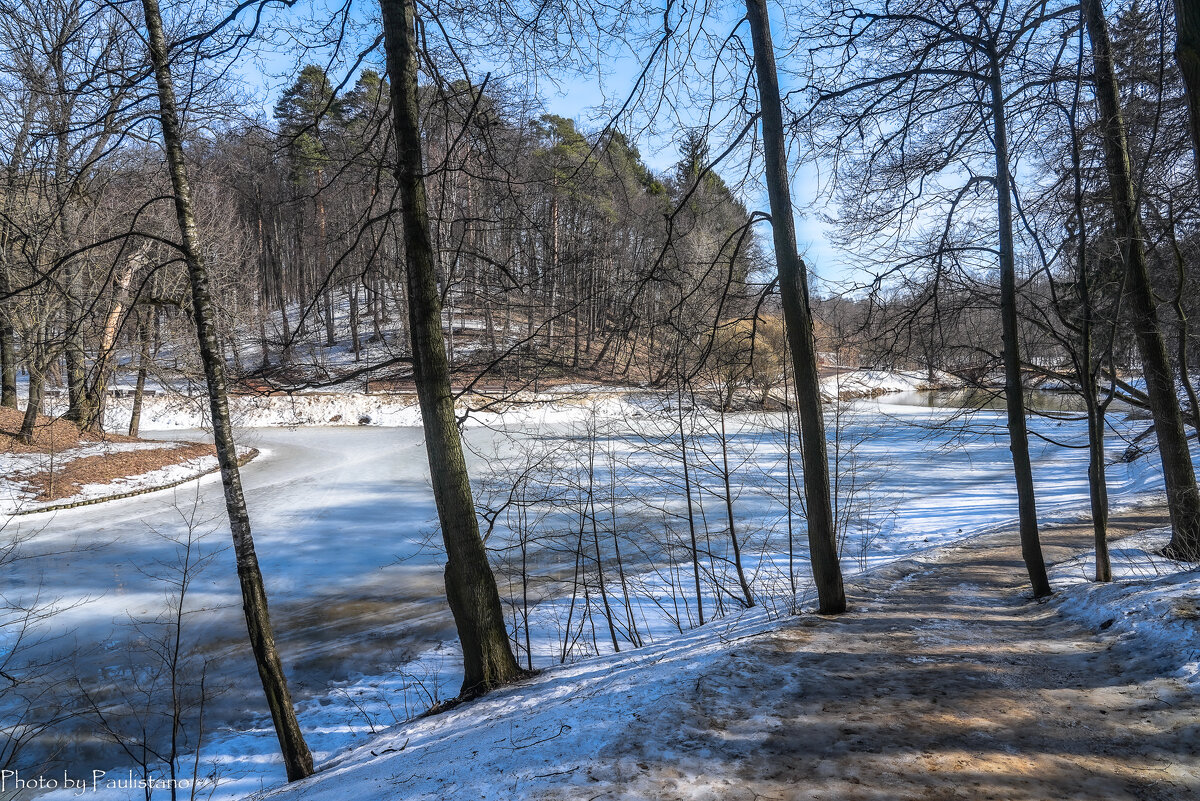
1152	602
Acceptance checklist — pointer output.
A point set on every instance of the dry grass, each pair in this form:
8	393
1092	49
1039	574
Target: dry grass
67	480
54	438
50	434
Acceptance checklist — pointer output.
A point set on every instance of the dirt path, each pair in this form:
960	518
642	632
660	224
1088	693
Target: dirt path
945	681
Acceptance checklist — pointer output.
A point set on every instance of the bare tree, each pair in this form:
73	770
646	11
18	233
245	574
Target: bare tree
931	91
1183	496
296	756
488	660
793	283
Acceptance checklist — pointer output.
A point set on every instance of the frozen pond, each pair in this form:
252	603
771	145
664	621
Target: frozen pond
342	521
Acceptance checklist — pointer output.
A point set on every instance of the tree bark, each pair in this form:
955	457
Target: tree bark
793	285
33	405
1014	390
8	350
1187	55
1086	365
139	391
1183	497
296	756
97	393
8	335
687	489
488	660
77	398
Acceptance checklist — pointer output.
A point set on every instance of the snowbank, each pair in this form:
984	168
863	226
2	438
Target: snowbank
17	501
565	404
1152	603
851	384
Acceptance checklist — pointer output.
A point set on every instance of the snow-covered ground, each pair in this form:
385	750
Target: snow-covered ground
176	412
343	520
1151	601
849	384
562	404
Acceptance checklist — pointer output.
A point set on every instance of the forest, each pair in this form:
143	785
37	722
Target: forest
720	391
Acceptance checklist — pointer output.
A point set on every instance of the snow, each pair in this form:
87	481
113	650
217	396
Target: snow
367	488
1152	602
174	413
543	733
849	384
562	404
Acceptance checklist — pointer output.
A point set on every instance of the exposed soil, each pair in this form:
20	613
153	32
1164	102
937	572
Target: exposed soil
68	479
50	434
52	468
945	681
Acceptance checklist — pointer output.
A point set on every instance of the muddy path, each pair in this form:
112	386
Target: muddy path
945	681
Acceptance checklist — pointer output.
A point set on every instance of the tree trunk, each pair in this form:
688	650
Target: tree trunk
139	391
1187	55
470	585
8	337
747	595
1097	482
1182	332
1014	390
323	260
1086	365
1183	497
296	756
77	397
793	286
98	391
687	489
33	406
355	347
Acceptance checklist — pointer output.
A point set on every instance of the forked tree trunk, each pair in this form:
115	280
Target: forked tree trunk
1014	390
98	391
488	660
793	286
1183	497
296	757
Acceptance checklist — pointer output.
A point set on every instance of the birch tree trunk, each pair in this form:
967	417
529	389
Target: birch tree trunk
1183	498
297	759
488	660
793	286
